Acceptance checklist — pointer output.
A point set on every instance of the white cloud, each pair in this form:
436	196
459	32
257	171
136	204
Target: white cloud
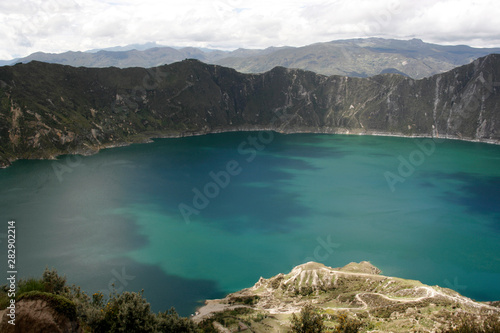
60	25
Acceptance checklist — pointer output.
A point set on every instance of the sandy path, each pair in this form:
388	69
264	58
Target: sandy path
212	306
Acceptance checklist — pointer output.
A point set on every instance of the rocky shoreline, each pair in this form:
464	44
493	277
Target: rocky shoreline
96	149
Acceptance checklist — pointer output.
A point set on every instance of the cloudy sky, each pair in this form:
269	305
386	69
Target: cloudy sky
60	25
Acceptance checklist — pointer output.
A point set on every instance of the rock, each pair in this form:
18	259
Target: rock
37	316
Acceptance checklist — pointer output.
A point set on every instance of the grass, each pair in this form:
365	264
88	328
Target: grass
4	298
29	285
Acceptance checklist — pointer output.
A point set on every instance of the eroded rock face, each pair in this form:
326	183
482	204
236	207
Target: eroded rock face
391	304
36	316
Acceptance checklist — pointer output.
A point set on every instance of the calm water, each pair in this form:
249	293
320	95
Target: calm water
267	204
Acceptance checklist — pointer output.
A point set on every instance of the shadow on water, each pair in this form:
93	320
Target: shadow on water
161	289
174	178
480	195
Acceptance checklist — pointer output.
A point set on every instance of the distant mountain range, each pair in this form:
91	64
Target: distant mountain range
51	109
353	57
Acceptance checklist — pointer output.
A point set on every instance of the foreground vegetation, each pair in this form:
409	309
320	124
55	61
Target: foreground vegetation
117	312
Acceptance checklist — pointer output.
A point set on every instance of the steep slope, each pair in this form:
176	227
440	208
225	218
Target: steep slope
48	109
386	304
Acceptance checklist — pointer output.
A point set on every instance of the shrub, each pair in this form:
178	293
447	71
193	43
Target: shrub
126	312
88	309
306	291
347	324
492	324
308	322
247	300
170	322
259	317
467	323
53	282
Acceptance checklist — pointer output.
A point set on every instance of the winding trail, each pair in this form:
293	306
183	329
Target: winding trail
319	277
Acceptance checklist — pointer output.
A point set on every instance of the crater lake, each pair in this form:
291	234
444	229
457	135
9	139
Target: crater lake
193	218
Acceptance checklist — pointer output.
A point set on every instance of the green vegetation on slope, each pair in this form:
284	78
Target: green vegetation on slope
117	312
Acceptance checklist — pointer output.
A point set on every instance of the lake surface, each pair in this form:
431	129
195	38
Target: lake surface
194	218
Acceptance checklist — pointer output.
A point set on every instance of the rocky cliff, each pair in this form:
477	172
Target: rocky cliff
48	109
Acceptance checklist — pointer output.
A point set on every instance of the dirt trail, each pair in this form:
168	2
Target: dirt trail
315	279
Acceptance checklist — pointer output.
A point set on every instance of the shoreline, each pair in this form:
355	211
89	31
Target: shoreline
150	139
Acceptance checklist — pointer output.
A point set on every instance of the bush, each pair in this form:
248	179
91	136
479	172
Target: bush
126	312
88	309
247	300
170	322
306	291
467	323
347	324
53	282
259	317
308	322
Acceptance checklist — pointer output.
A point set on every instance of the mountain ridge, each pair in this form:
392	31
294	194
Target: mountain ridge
48	109
362	57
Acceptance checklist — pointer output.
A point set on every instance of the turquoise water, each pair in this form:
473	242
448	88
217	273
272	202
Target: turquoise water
268	202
